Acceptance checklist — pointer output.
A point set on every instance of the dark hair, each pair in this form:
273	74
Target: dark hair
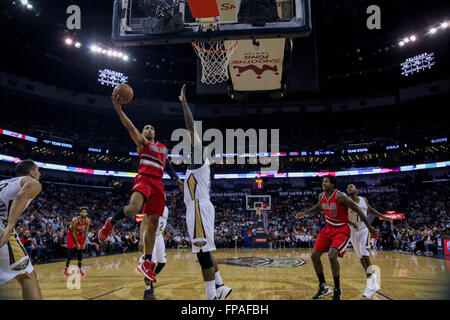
332	179
24	167
83	208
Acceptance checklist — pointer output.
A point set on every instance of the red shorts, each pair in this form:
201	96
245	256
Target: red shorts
153	190
332	237
71	241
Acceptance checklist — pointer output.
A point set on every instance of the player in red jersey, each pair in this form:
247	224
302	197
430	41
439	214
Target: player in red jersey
335	237
148	188
76	238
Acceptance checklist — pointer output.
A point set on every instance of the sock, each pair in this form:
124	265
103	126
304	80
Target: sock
321	278
337	283
210	287
79	264
119	215
148	257
218	279
67	264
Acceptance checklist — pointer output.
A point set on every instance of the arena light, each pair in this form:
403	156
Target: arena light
69	41
24	2
418	63
78	45
401	43
433	30
406	40
93	48
413	38
125	58
444	25
29	6
111	78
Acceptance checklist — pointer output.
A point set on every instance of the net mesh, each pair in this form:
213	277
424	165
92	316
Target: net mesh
215	57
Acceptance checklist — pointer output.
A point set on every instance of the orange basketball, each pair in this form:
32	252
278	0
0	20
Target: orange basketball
125	92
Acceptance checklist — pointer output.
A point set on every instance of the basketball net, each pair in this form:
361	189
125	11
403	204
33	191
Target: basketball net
215	57
258	211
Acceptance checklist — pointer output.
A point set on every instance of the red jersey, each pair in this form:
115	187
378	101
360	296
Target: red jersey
80	227
153	159
336	214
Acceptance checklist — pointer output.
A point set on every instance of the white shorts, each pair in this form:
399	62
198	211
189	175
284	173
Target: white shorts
14	259
360	241
200	215
159	250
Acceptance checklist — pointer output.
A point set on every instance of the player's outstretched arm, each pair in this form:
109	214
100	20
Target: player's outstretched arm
29	190
137	137
375	213
188	118
343	199
314	209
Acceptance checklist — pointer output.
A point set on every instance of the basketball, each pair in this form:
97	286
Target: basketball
125	92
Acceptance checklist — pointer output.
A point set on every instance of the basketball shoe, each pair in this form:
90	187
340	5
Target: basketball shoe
149	294
323	291
222	291
146	268
371	287
104	232
81	272
337	294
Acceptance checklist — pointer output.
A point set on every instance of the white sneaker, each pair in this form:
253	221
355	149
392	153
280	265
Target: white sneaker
223	292
371	287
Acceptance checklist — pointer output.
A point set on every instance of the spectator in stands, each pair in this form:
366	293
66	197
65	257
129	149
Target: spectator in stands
27	242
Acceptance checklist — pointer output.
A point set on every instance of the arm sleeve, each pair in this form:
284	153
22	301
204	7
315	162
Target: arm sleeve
170	170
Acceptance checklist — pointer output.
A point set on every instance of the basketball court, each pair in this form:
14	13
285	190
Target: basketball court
254	274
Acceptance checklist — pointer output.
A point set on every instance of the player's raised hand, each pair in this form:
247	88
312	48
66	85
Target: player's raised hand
116	100
182	95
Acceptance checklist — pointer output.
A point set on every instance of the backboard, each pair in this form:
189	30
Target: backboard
129	17
251	202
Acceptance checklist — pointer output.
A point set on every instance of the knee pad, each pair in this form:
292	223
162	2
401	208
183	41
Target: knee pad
204	258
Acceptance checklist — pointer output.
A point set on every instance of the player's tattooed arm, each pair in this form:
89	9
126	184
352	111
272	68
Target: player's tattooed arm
188	118
29	190
343	199
314	209
375	213
135	135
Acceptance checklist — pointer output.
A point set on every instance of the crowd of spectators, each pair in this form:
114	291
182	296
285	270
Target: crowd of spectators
43	227
375	129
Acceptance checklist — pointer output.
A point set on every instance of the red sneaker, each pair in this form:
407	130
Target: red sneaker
66	271
104	232
146	268
80	271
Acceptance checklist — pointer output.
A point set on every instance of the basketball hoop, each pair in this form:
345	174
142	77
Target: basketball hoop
215	57
258	208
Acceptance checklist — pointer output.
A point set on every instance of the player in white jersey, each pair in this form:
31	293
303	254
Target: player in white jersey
360	238
159	251
15	196
200	213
